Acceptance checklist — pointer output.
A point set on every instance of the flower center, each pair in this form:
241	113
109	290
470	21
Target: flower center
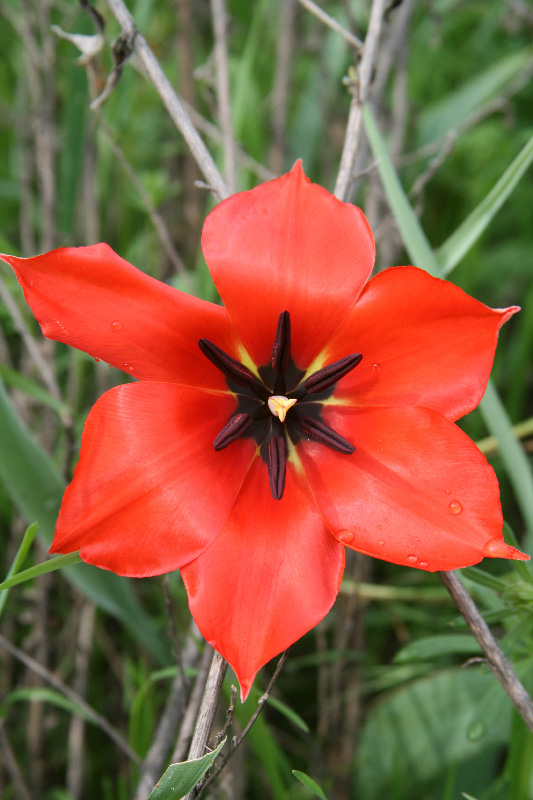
266	406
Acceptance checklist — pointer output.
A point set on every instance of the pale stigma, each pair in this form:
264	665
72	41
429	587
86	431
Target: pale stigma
279	405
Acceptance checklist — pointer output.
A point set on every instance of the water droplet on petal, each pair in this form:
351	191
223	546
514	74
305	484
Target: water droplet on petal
417	538
376	367
497	548
413	559
448	491
31	281
345	536
116	325
455	507
379	527
423	564
97	359
381	542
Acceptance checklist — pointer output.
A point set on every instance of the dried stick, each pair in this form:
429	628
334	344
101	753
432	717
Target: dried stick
207	709
170	99
237	741
12	767
73	696
218	12
353	128
331	23
76	733
191	712
496	659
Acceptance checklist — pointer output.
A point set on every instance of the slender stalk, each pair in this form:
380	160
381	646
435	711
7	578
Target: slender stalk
496	659
353	128
171	100
207	709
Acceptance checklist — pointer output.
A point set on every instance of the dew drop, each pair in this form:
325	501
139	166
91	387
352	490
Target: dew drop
386	522
455	507
423	564
412	559
379	527
448	491
376	367
417	538
345	536
97	359
31	281
116	325
476	731
381	542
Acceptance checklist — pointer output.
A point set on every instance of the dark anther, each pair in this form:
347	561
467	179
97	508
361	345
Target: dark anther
231	368
238	424
322	433
327	376
281	351
276	452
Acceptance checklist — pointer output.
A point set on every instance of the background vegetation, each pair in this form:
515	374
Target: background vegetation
376	701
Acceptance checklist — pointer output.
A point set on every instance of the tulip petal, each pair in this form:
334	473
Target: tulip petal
270	576
150	492
424	343
92	299
416	492
288	245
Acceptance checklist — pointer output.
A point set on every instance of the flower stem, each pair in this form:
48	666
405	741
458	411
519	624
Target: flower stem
496	659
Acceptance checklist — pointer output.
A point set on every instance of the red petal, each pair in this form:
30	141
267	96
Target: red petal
92	299
417	491
288	245
150	492
271	575
424	342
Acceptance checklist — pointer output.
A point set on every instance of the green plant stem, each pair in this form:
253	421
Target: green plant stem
496	659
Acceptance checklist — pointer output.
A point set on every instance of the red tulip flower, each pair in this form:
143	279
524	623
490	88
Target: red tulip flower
313	411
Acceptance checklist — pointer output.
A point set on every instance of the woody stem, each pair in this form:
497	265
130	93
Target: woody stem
496	659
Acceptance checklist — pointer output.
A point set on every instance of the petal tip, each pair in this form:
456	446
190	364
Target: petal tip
497	548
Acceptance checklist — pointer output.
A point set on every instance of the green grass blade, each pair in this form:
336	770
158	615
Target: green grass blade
18	561
413	236
35	486
454	248
309	783
41	569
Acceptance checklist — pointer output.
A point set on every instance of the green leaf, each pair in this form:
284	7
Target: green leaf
13	378
431	647
34	484
41	569
18	561
310	783
180	778
413	236
283	708
453	109
454	248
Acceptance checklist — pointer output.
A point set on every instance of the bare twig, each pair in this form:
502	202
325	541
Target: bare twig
353	128
76	733
332	23
73	696
496	659
282	80
21	790
172	103
191	712
218	12
207	709
236	741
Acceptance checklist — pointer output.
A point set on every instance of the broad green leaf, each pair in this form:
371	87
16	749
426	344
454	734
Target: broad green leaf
413	236
431	647
416	243
310	783
180	778
454	248
13	378
451	111
34	484
41	569
414	736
